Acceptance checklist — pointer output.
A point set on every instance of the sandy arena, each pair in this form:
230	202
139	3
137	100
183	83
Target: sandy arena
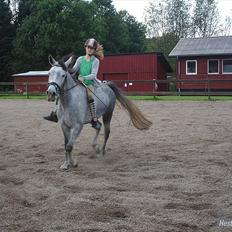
176	177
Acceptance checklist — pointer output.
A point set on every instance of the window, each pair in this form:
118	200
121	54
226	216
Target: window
213	67
191	67
227	66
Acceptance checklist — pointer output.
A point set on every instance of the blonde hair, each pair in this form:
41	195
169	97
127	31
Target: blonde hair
99	52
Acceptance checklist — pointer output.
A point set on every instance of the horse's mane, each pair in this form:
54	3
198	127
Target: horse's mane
62	64
62	61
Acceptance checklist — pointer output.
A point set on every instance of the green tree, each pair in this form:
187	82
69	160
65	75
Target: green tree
23	10
164	44
6	37
178	19
57	27
110	26
227	28
62	26
135	33
118	31
205	21
168	17
156	18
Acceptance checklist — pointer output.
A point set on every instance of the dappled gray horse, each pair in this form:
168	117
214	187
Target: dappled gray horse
73	109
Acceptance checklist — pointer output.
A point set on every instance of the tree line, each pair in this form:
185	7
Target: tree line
169	20
30	30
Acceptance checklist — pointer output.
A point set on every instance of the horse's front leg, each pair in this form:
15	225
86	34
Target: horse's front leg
66	131
70	135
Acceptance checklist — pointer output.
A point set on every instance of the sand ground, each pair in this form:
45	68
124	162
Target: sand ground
174	177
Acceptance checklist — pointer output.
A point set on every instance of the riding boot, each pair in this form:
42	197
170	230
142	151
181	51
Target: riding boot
52	117
95	123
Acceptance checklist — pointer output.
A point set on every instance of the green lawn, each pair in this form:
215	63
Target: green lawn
182	98
157	98
12	96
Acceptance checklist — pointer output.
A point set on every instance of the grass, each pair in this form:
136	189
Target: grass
15	96
156	98
182	98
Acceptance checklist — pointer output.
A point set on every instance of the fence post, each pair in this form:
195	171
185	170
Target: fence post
27	90
209	94
179	86
155	88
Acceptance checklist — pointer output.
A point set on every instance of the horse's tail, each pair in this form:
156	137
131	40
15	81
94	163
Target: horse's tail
136	116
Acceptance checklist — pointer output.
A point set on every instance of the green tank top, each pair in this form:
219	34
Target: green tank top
86	69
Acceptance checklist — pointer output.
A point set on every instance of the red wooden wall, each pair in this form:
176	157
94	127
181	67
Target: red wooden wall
19	84
202	74
126	67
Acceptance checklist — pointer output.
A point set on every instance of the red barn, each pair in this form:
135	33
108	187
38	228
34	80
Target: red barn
33	82
124	67
207	60
129	67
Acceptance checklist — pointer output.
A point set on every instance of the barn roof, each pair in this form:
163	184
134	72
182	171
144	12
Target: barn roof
31	74
221	45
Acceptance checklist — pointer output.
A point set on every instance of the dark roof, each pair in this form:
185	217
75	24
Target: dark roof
221	45
133	53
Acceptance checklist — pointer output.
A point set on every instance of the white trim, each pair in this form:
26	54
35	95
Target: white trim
223	66
186	67
208	67
32	73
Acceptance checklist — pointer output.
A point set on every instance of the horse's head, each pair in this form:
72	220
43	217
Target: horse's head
56	77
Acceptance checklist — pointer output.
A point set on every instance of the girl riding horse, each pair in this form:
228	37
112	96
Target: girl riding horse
87	66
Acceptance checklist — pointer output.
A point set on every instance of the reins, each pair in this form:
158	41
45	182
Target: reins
64	91
60	90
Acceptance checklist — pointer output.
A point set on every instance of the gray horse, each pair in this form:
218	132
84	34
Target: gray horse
73	109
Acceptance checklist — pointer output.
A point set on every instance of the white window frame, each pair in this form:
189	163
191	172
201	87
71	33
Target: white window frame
186	64
223	67
208	66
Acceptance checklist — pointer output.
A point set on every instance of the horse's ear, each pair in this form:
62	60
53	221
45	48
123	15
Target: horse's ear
69	61
51	60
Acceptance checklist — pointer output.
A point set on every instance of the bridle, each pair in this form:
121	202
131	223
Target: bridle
60	89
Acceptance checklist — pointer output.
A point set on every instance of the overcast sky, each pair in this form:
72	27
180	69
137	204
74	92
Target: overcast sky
136	7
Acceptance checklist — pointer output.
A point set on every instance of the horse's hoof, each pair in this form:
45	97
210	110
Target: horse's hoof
74	164
65	166
97	149
101	153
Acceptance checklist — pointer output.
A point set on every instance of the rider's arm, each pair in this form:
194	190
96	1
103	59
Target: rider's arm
76	66
94	72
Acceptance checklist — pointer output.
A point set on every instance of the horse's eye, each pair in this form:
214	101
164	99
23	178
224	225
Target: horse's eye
63	75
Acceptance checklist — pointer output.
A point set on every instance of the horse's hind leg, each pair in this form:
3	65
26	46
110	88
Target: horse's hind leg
94	143
106	120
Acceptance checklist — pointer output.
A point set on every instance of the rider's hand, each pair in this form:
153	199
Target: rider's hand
81	79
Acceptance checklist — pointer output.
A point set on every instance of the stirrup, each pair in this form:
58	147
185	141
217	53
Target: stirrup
96	124
52	117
